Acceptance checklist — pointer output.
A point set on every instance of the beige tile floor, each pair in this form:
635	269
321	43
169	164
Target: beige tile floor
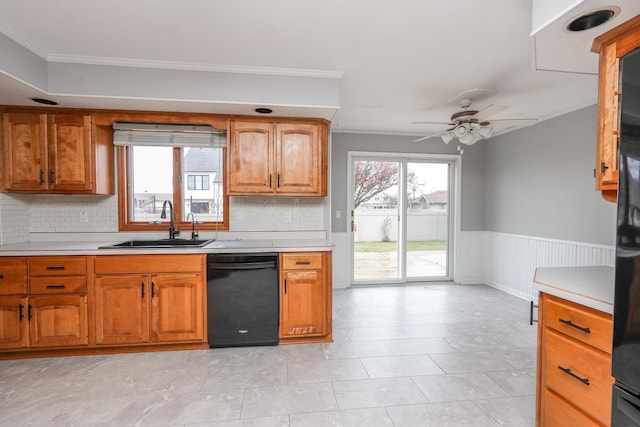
422	355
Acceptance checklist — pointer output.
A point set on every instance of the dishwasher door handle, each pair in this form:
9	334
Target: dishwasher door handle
241	265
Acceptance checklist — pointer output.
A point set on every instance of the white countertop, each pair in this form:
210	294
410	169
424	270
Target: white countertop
71	247
590	286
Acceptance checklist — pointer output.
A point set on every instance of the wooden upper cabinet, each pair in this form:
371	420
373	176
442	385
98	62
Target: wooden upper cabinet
611	46
25	151
299	163
55	153
70	166
250	158
288	159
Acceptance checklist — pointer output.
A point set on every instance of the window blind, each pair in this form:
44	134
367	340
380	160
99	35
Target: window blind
168	135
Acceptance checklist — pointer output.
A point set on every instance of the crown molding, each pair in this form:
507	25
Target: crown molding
23	41
193	66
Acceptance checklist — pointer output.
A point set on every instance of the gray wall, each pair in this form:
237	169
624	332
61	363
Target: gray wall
539	182
472	174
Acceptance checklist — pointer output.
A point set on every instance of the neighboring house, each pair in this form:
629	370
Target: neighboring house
381	201
437	200
202	186
203	180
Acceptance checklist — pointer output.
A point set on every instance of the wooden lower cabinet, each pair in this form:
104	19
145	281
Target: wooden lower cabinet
14	326
177	307
58	321
574	382
43	321
149	308
305	297
121	309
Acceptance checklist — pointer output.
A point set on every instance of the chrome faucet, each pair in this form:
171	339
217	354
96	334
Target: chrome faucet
172	230
194	233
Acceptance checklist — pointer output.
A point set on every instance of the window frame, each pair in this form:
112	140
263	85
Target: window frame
124	190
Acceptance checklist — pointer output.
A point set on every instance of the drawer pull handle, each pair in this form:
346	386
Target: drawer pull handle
1	276
568	372
573	325
55	286
21	309
303	262
55	267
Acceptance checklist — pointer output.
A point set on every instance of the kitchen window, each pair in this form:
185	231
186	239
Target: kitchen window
198	182
188	174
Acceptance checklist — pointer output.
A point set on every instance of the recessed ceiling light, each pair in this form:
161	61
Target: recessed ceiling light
262	110
44	101
592	19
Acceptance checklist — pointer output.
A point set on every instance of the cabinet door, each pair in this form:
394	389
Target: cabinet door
25	151
70	166
59	320
13	276
303	303
299	160
177	308
14	326
250	159
608	127
122	309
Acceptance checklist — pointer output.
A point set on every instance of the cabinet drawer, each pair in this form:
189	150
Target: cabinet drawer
57	266
579	374
302	261
58	285
582	323
558	413
149	264
13	276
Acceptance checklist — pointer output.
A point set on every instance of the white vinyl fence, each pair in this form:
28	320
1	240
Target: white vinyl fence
379	225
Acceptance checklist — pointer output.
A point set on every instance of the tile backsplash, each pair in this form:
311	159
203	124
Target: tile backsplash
21	214
15	218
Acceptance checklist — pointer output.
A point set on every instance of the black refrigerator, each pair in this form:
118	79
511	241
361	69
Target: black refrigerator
626	311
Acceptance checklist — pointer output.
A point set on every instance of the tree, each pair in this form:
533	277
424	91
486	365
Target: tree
372	178
414	184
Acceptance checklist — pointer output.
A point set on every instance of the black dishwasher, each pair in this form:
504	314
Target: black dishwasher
242	299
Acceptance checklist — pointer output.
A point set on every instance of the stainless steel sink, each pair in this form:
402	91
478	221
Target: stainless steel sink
162	243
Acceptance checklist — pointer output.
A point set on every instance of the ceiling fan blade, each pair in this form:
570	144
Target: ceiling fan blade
431	136
513	122
426	122
489	111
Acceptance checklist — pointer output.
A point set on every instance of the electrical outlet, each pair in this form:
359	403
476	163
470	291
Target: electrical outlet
287	216
84	217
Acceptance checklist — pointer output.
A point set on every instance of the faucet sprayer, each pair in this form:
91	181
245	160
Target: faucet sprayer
172	230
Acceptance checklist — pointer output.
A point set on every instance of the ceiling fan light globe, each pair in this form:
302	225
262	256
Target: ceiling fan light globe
461	130
447	137
485	131
467	139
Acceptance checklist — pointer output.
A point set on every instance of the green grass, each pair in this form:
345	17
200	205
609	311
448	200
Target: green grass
431	245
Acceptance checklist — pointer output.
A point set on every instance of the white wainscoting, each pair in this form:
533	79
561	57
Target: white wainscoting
503	261
510	260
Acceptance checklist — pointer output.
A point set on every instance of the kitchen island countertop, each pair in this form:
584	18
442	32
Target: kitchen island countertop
590	286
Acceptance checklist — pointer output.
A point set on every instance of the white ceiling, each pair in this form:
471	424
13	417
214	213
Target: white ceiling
395	62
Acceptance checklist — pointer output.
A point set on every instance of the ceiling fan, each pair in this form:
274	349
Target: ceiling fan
470	126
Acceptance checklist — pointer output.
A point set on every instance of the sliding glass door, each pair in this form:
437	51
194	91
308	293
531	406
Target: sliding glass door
401	218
